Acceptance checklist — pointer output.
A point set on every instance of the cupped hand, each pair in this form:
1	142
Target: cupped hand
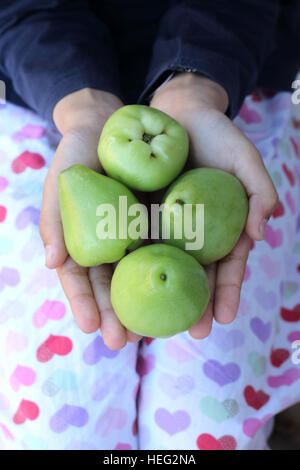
80	117
199	105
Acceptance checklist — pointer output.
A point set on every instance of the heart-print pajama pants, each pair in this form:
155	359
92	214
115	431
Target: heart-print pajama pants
63	389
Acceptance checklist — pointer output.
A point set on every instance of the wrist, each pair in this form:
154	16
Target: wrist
87	107
188	92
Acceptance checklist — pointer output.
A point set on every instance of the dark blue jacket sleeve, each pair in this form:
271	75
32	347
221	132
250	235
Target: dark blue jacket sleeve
51	48
227	41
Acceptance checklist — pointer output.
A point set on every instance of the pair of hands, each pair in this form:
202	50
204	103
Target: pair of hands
198	104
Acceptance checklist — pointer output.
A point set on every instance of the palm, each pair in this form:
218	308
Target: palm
216	142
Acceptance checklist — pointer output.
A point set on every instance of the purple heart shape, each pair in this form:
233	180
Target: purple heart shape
260	329
9	277
176	386
68	415
220	374
172	423
96	350
113	385
270	266
26	216
227	340
267	300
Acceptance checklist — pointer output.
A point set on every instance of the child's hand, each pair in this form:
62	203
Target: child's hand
80	117
199	105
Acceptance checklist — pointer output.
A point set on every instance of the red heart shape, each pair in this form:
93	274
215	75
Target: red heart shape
255	96
209	442
27	159
144	365
255	399
289	174
228	442
290	315
295	146
268	93
296	123
279	210
60	345
248	115
26	410
279	356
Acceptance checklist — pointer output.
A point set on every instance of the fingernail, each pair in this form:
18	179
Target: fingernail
262	227
49	255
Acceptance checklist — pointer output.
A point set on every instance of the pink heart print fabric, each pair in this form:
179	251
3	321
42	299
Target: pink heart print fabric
63	389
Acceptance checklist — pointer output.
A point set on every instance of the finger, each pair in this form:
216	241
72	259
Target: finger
50	225
113	332
133	337
77	287
263	196
230	274
202	328
258	216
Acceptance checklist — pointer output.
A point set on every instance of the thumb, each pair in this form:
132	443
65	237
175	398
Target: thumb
262	194
51	230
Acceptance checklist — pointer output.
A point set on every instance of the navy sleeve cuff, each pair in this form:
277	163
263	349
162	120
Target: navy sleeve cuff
209	64
224	43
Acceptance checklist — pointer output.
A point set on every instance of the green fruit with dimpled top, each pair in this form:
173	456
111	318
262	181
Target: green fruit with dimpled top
143	147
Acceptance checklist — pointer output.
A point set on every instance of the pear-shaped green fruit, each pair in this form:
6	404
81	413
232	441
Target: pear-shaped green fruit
82	193
225	212
143	147
159	290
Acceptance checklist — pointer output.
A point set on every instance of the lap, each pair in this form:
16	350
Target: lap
62	389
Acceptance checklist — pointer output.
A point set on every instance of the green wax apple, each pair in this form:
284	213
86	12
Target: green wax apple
159	290
82	192
143	147
225	211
